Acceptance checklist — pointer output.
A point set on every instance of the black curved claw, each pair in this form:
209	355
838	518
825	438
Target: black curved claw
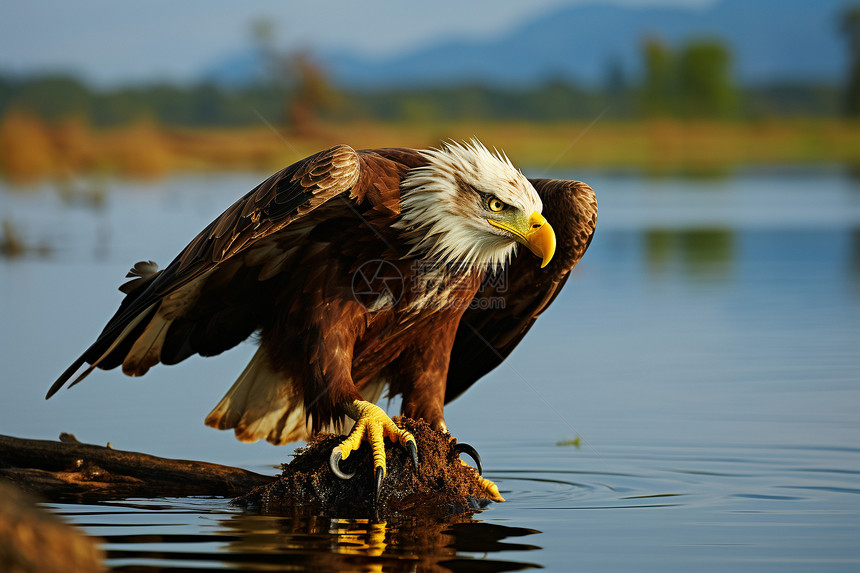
334	464
413	451
380	474
472	453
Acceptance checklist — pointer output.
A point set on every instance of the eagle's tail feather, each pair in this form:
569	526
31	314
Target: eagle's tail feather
266	404
262	403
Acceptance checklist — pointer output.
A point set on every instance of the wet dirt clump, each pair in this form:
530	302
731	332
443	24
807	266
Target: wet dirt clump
441	486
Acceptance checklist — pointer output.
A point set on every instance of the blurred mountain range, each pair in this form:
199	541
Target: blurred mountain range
770	40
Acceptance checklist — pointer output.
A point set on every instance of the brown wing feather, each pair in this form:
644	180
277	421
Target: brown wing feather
277	202
488	334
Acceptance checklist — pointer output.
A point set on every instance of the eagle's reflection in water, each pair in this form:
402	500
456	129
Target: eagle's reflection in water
459	542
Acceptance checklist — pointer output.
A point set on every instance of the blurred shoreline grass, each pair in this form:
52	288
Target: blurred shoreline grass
32	149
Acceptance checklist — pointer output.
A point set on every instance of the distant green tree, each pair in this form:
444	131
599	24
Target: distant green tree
850	25
705	81
695	82
616	81
616	89
658	89
50	97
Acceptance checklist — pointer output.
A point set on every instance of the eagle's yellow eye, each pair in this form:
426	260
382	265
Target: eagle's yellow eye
495	205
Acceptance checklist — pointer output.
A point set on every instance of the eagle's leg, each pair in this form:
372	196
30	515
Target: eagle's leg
425	398
371	424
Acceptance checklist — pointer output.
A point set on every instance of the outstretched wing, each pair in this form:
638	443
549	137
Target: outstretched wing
507	307
155	298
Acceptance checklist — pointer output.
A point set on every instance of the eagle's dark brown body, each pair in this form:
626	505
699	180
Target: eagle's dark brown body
282	262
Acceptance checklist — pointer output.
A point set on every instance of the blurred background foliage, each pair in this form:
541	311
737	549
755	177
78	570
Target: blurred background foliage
684	109
692	81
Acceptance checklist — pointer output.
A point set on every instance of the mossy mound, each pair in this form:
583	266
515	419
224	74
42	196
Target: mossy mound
441	486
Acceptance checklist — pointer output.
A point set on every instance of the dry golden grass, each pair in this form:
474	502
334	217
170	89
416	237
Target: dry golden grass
26	149
668	145
31	149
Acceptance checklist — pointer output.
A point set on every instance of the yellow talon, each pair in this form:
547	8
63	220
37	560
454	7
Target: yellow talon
371	424
491	490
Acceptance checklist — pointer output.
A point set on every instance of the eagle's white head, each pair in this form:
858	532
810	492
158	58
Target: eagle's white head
469	207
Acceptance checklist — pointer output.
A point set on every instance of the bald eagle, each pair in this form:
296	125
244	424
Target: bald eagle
360	271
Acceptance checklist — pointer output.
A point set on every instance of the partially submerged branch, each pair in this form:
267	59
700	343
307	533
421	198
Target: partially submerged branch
59	470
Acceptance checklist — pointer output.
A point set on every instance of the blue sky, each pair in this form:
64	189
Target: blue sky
111	41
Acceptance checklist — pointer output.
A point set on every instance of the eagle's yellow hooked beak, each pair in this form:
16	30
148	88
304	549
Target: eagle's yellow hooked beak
540	238
536	234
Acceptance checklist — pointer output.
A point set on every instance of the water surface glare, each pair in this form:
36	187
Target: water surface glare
706	353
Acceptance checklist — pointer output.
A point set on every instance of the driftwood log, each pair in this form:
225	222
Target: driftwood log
71	471
34	541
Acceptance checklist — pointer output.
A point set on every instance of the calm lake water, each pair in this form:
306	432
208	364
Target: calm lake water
706	352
